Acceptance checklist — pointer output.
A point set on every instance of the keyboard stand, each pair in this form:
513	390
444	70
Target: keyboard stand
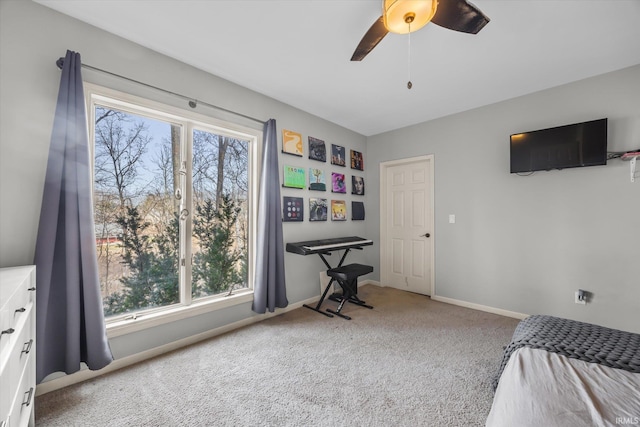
317	307
326	290
346	276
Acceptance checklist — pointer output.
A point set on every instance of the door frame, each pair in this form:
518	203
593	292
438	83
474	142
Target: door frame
384	197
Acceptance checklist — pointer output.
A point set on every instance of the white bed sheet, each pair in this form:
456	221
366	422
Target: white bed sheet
540	388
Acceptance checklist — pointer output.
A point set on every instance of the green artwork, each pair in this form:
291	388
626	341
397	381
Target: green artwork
294	177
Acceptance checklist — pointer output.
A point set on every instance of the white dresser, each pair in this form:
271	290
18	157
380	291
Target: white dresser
17	346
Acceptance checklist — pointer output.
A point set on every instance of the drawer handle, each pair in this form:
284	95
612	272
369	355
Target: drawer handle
21	310
26	347
29	395
8	331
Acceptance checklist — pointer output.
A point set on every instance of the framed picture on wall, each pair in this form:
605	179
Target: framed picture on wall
356	160
291	142
318	209
294	177
357	211
337	183
337	155
357	185
317	149
292	210
317	180
338	210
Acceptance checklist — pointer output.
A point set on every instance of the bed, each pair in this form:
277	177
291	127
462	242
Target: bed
560	372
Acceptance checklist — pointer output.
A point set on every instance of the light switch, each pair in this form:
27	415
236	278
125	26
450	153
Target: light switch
452	219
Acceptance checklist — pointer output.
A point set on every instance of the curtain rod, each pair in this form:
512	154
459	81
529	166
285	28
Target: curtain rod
193	103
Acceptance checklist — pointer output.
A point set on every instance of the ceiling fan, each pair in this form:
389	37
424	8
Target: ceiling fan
406	16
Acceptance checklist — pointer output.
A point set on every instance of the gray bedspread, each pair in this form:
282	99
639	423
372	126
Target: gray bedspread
576	340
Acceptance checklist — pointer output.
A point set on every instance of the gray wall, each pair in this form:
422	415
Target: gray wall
32	38
520	243
525	244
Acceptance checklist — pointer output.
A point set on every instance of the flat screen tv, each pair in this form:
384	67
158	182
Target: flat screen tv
569	146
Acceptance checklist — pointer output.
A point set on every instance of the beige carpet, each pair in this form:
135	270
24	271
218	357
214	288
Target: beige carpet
408	362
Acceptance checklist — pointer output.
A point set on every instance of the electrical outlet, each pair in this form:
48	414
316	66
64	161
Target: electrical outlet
578	300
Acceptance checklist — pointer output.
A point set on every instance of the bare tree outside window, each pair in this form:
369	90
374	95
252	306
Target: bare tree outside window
137	165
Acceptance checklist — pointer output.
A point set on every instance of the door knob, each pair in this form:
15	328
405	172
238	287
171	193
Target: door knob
426	235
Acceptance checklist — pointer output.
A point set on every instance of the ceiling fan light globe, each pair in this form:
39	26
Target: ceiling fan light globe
394	13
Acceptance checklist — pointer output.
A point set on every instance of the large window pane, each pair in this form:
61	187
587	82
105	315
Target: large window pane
173	199
220	221
137	161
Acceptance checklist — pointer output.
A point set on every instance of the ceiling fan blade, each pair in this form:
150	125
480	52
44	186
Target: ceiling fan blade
370	40
460	15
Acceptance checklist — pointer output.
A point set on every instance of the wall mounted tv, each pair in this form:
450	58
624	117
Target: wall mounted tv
569	146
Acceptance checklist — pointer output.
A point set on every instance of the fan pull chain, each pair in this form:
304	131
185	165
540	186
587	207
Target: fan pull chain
409	84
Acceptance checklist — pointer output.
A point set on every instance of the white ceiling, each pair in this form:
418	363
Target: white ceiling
298	51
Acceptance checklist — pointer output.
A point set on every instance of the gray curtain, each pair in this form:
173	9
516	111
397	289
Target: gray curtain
269	289
69	319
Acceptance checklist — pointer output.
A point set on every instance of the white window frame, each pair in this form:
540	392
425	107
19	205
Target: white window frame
189	120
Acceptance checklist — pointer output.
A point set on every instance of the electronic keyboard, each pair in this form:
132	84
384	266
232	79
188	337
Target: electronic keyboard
327	245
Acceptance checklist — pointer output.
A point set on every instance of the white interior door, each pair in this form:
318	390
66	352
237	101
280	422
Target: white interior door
406	229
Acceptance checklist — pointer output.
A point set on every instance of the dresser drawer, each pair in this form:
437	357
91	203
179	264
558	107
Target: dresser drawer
16	355
23	403
17	291
22	328
20	344
17	346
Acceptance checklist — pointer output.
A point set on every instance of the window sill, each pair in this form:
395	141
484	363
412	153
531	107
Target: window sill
173	314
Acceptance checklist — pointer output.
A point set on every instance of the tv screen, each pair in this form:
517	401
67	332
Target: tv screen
569	146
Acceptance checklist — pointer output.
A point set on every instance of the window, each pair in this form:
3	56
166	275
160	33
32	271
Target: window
173	205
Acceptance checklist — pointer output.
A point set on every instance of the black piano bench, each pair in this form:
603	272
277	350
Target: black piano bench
347	278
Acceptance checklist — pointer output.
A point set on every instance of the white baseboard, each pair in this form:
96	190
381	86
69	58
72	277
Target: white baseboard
461	303
480	307
86	374
370	282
